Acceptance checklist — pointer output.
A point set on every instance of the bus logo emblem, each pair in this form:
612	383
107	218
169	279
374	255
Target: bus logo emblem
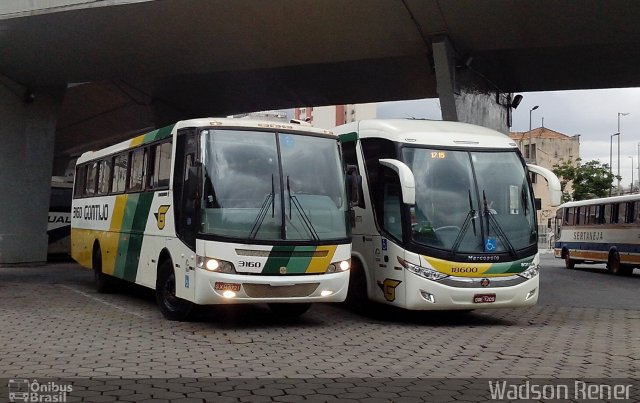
388	287
161	214
485	282
283	270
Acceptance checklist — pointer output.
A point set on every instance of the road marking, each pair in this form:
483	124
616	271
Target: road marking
102	301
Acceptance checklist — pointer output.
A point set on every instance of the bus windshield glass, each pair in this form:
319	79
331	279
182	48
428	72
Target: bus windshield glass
272	186
471	202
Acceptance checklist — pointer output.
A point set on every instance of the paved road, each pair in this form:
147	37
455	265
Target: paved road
117	346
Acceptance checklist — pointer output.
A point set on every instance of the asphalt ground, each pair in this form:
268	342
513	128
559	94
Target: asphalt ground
56	330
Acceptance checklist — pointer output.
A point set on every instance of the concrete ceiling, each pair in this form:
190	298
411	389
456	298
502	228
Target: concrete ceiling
194	57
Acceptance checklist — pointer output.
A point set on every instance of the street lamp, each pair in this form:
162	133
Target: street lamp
631	156
619	114
610	154
530	111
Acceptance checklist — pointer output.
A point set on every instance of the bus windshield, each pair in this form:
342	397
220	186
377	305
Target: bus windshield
471	201
261	185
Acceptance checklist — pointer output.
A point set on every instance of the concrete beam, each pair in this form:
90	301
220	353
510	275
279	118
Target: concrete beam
466	96
27	136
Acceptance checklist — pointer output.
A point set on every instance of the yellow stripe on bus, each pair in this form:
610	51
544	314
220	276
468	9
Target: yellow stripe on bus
320	264
109	240
136	141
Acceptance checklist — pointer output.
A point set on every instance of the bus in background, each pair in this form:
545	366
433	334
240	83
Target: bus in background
217	211
446	217
605	230
59	223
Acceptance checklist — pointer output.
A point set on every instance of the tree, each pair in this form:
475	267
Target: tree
589	180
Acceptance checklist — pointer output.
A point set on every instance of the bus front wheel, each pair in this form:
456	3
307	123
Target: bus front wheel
172	307
289	310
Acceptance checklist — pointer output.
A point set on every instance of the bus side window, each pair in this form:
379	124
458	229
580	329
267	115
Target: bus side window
91	179
607	214
120	163
636	212
80	181
104	177
622	213
136	177
160	165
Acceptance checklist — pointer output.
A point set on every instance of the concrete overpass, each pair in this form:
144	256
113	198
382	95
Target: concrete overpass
148	63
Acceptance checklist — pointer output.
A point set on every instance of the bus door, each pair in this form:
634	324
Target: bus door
388	275
187	192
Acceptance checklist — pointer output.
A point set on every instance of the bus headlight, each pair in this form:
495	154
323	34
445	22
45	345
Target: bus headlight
339	266
425	272
217	265
531	271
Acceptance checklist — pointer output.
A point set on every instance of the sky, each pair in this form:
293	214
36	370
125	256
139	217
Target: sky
593	114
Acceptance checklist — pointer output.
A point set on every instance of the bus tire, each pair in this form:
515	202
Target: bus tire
568	262
172	307
357	298
289	310
102	281
613	263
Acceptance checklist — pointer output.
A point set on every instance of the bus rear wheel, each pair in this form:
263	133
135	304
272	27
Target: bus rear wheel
289	310
172	307
615	267
101	280
568	262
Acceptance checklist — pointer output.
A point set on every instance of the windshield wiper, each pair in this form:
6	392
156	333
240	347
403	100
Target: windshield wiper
463	230
496	226
304	218
268	201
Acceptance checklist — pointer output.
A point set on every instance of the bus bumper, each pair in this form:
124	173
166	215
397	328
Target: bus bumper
218	288
423	294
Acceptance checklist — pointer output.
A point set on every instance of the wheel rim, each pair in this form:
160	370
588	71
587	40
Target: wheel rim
169	292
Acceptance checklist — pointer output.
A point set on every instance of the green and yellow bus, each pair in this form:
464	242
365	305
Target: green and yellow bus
213	211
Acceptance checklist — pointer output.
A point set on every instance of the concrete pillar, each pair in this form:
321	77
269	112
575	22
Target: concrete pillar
466	96
27	136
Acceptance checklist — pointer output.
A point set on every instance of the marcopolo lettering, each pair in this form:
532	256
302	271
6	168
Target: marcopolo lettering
99	212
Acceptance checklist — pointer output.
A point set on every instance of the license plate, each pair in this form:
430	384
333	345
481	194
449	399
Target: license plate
484	298
226	286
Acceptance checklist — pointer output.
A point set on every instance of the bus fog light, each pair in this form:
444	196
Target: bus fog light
217	265
530	294
428	297
229	294
326	293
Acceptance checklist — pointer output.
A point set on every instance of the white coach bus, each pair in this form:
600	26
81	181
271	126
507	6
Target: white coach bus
605	230
446	217
59	224
212	211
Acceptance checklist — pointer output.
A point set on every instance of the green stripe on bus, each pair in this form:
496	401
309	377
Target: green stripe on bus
510	267
299	264
348	137
134	223
158	134
278	257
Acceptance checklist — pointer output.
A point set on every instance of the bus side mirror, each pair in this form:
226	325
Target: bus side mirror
553	183
407	180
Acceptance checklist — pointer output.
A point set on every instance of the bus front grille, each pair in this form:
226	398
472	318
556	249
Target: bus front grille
285	291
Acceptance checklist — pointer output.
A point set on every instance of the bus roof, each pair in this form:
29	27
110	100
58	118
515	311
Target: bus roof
427	132
602	200
201	122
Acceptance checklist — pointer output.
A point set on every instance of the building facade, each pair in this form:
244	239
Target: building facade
546	147
328	117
